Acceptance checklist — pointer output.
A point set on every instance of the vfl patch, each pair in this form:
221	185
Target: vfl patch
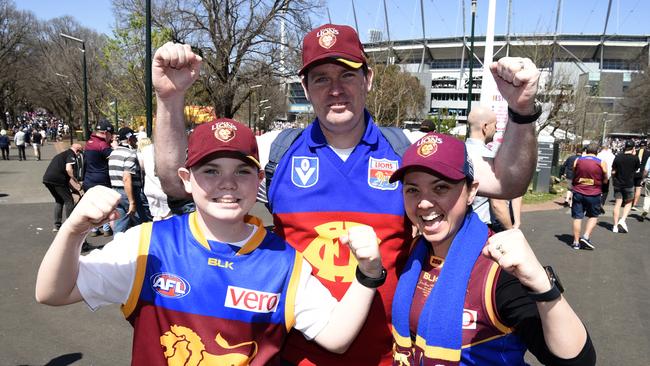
170	285
304	171
379	171
327	37
251	300
470	317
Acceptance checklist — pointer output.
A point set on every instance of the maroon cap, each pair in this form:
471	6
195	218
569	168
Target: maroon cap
441	154
337	42
222	135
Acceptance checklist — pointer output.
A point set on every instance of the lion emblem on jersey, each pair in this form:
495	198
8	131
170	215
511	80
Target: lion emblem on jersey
183	347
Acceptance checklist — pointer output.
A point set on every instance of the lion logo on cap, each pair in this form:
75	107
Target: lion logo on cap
327	37
224	131
428	146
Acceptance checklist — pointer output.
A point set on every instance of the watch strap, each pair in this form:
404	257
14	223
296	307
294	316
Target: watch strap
550	295
369	281
522	120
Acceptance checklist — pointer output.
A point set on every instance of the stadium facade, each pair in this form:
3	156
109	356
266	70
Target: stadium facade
600	67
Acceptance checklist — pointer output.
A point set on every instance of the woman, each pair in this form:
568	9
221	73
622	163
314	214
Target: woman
493	300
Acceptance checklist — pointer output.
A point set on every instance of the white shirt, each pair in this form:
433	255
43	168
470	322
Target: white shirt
608	157
106	277
481	205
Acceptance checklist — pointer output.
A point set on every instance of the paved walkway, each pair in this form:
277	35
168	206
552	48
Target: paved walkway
608	287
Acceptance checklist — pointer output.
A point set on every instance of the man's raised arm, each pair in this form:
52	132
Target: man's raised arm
508	174
175	67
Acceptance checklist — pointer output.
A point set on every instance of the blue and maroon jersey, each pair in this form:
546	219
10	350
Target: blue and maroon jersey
199	302
486	340
588	176
316	197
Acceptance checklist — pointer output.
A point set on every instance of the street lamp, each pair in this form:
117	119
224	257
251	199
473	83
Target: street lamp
471	63
69	102
83	52
249	102
114	103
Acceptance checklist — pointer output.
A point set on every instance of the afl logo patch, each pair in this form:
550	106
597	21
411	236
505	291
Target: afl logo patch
224	131
428	146
327	37
169	285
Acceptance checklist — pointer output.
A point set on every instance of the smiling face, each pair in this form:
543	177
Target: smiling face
436	206
338	95
224	189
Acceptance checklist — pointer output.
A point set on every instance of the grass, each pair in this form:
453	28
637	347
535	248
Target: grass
556	191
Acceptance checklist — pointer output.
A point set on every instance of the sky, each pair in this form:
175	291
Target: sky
443	18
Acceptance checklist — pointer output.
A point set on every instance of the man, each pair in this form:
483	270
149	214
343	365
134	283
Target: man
60	180
646	187
37	140
566	170
624	167
495	213
328	180
95	158
642	154
607	156
19	141
124	170
589	176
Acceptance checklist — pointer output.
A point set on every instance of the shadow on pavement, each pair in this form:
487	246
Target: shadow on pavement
565	238
607	225
65	360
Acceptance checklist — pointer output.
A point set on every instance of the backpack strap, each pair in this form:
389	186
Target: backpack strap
396	138
279	147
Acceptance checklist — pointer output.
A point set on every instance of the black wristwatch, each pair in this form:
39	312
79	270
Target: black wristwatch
522	120
556	288
369	281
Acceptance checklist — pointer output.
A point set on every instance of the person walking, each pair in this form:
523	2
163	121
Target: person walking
605	154
37	140
60	180
96	153
4	144
124	171
334	175
566	171
642	153
624	168
19	141
589	176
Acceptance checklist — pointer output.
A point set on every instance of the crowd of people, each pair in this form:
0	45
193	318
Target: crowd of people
353	274
31	129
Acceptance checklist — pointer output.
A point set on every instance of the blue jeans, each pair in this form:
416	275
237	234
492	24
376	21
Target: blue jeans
141	214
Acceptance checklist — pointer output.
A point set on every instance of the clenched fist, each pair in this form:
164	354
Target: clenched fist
95	208
364	245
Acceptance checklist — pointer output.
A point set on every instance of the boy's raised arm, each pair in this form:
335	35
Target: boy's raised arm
57	276
350	313
175	67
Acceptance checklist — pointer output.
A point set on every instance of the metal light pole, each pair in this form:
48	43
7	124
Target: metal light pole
69	105
85	75
249	102
147	71
471	63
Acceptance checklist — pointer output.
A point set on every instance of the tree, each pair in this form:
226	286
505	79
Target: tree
636	105
396	96
239	40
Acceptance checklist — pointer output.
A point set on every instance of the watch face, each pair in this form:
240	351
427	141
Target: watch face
554	278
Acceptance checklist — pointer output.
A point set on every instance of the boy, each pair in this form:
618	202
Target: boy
215	274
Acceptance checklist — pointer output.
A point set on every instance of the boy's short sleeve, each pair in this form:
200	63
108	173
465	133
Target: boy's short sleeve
314	304
106	275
